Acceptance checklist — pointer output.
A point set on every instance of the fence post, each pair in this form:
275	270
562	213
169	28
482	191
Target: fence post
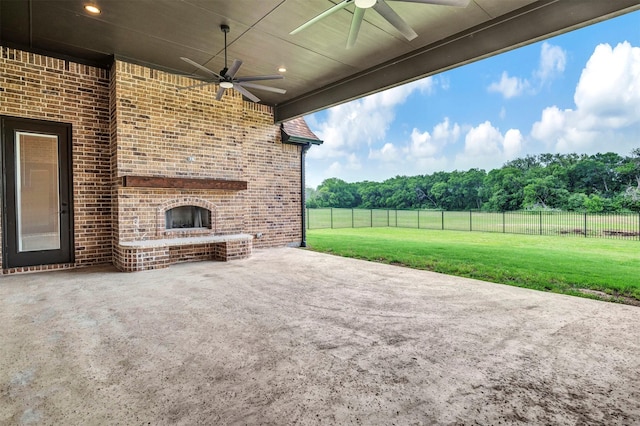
308	216
388	223
418	218
470	221
396	210
585	224
503	221
442	219
331	212
371	217
540	222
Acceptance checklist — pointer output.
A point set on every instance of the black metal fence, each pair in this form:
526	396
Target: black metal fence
619	225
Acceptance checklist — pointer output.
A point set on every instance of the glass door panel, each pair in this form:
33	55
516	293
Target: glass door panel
37	192
37	201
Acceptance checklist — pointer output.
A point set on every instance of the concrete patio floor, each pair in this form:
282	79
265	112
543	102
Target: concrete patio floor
295	337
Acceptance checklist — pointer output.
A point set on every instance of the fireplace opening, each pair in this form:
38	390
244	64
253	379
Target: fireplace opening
188	217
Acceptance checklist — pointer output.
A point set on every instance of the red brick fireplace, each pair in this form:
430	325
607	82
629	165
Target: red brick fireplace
141	148
178	149
147	242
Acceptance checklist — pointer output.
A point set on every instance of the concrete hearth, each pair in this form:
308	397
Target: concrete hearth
155	254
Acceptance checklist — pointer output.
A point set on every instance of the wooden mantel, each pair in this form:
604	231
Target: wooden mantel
183	183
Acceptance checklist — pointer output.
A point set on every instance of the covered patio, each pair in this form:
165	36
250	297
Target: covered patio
290	336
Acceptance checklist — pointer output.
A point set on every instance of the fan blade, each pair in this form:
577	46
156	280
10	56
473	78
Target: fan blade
324	14
234	68
454	3
220	93
193	86
246	93
261	87
358	16
259	78
394	19
200	67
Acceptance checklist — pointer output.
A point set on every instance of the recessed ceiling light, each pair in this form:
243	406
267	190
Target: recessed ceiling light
92	8
282	69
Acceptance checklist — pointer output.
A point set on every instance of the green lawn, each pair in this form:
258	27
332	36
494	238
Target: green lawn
557	264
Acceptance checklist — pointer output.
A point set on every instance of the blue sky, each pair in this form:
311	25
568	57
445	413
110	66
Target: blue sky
577	92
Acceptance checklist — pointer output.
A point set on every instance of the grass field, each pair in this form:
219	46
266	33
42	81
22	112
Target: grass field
562	265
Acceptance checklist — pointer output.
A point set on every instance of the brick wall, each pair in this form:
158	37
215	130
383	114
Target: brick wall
43	88
273	195
131	120
162	132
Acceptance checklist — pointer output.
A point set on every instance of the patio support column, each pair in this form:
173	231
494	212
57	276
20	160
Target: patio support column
303	198
296	132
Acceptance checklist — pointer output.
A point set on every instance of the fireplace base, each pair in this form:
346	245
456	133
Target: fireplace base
134	256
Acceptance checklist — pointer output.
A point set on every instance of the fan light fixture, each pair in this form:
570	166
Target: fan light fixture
365	4
383	9
92	8
227	78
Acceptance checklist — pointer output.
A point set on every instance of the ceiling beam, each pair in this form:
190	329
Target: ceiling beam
535	22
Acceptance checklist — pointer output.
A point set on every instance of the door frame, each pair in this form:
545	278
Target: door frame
11	258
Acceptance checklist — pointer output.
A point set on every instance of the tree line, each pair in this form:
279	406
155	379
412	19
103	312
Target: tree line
596	183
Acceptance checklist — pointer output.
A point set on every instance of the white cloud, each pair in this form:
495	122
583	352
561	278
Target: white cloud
388	153
445	132
551	124
353	162
486	147
350	164
509	87
361	122
422	145
512	144
553	60
427	145
607	100
334	169
609	86
397	95
348	129
482	140
445	84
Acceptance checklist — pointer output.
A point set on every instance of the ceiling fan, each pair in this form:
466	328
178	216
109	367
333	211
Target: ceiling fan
227	79
383	9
